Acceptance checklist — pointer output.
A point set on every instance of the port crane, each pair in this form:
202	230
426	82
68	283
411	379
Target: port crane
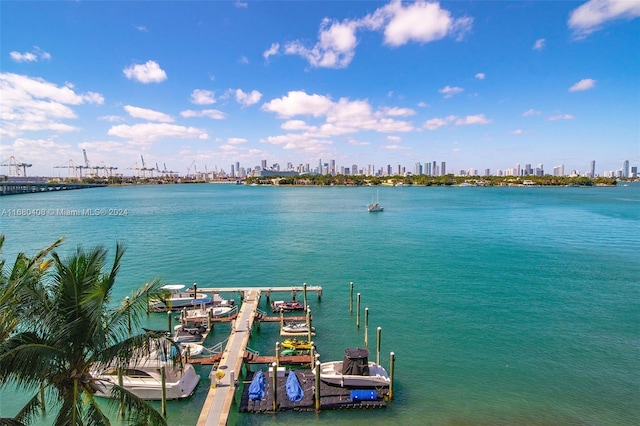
12	163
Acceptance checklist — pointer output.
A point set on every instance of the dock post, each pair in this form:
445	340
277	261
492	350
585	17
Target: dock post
392	360
317	385
358	309
378	349
120	383
293	294
308	325
195	291
210	320
163	377
311	353
146	297
268	293
274	383
351	297
278	354
304	294
169	321
320	294
126	303
366	327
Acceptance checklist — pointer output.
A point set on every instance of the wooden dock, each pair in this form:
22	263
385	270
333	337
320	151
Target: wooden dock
220	397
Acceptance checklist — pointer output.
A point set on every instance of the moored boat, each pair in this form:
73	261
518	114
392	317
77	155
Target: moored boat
144	379
297	327
294	343
176	298
286	306
354	371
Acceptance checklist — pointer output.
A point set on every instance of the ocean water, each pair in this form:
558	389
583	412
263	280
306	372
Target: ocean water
503	306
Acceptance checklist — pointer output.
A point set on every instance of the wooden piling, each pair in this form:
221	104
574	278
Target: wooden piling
358	309
274	372
278	354
304	294
195	291
366	327
169	321
351	297
392	360
308	324
317	386
163	377
378	348
126	303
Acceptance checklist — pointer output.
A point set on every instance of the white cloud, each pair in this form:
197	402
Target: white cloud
147	114
420	22
202	97
241	4
34	55
394	138
271	51
149	72
539	44
436	123
473	119
480	76
335	48
141	28
151	132
247	99
560	117
111	118
236	141
591	16
531	112
243	60
449	92
517	132
584	84
210	113
298	103
394	147
340	118
32	104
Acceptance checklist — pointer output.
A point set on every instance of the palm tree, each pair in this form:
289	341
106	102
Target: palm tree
70	327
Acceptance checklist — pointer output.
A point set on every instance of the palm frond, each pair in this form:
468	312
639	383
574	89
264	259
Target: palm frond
138	411
29	410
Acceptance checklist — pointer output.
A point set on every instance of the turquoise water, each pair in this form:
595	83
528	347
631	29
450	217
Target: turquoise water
502	305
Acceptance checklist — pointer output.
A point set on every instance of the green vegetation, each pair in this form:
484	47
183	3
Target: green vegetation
423	180
58	322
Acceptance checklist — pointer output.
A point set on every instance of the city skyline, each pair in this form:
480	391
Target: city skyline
210	84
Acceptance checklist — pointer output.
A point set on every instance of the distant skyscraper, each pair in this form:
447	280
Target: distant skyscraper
625	169
558	170
418	169
263	164
592	173
487	172
332	167
233	173
443	168
427	169
434	169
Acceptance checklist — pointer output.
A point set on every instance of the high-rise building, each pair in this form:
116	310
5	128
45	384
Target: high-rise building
354	169
434	169
263	164
427	169
487	172
592	173
625	169
233	173
418	169
443	168
558	170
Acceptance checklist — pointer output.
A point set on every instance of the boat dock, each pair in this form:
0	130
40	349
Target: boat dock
220	397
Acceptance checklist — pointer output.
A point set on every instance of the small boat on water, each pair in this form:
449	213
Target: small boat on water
183	334
294	343
144	380
354	371
203	312
375	206
177	298
297	327
286	306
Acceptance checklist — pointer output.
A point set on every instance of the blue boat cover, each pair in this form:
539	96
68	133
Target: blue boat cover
256	388
294	390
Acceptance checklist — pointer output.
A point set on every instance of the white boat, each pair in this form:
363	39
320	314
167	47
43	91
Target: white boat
354	371
144	380
203	312
177	298
297	327
375	207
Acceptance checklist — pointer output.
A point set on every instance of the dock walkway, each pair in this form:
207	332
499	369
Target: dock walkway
219	399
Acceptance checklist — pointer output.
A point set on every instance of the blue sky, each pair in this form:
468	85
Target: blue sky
482	84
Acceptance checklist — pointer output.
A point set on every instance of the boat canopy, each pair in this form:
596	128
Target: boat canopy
356	362
172	287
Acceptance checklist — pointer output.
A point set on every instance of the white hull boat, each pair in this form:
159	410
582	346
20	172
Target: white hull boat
178	299
355	371
375	207
145	380
297	327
